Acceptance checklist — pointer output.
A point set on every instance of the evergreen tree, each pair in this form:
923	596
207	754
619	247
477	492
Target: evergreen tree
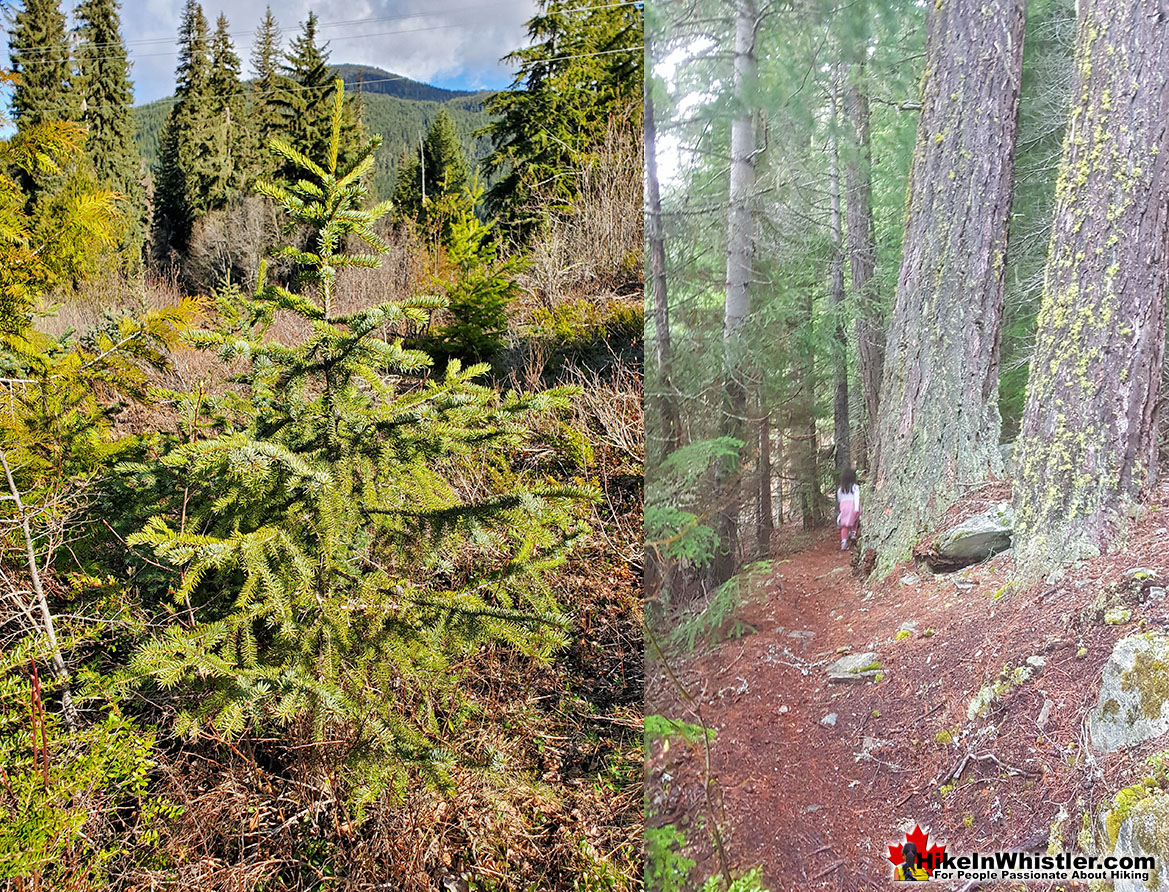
582	72
938	431
337	566
303	100
1088	442
41	60
103	83
227	104
39	50
187	166
442	172
408	190
446	165
265	121
482	286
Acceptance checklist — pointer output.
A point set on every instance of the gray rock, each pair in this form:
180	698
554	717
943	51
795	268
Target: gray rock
1156	593
829	721
973	540
1142	832
1007	451
1133	705
854	667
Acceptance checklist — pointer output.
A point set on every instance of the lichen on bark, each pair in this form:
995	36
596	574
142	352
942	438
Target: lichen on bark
939	425
1087	442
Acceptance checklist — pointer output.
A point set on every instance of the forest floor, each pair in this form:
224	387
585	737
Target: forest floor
818	778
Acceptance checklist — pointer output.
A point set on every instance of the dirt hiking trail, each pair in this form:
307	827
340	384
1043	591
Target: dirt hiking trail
817	778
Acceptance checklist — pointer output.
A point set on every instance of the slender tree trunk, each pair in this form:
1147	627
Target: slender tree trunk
765	526
56	660
840	421
805	454
1087	445
740	268
938	426
862	259
671	430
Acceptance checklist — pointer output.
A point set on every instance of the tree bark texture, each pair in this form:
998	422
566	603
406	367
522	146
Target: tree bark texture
862	261
1087	444
938	427
671	423
740	269
840	420
766	524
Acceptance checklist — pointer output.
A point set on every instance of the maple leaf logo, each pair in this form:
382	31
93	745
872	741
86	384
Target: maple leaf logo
930	856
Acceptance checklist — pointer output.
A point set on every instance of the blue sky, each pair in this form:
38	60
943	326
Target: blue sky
449	43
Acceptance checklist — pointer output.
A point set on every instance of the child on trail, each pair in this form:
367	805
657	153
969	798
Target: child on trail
848	498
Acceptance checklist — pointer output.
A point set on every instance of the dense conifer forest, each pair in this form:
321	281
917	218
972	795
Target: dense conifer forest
320	424
927	244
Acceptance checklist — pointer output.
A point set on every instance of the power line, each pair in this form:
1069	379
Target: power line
236	34
396	77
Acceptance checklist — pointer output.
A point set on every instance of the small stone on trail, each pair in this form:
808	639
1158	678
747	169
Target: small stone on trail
908	626
1156	593
1117	616
829	721
910	579
1044	714
1037	661
782	709
854	667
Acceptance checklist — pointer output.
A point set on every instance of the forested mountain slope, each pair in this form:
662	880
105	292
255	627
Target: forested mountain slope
397	109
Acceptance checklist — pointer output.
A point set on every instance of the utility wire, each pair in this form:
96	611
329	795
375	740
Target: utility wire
235	34
396	77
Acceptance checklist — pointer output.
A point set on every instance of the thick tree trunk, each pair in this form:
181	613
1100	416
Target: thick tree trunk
862	259
670	433
939	424
840	425
765	523
740	268
1087	444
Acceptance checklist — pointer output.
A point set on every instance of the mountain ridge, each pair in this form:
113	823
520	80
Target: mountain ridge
399	112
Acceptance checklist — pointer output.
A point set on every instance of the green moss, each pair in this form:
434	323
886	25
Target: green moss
944	736
1110	708
1123	803
1150	677
902	635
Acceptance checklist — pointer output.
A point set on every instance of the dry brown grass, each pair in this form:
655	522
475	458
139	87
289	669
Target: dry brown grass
595	249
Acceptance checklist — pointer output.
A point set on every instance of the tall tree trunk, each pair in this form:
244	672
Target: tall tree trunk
938	426
840	426
666	399
1087	444
805	455
740	268
765	523
862	260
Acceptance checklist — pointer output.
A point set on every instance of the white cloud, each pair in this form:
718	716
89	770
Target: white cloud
454	43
